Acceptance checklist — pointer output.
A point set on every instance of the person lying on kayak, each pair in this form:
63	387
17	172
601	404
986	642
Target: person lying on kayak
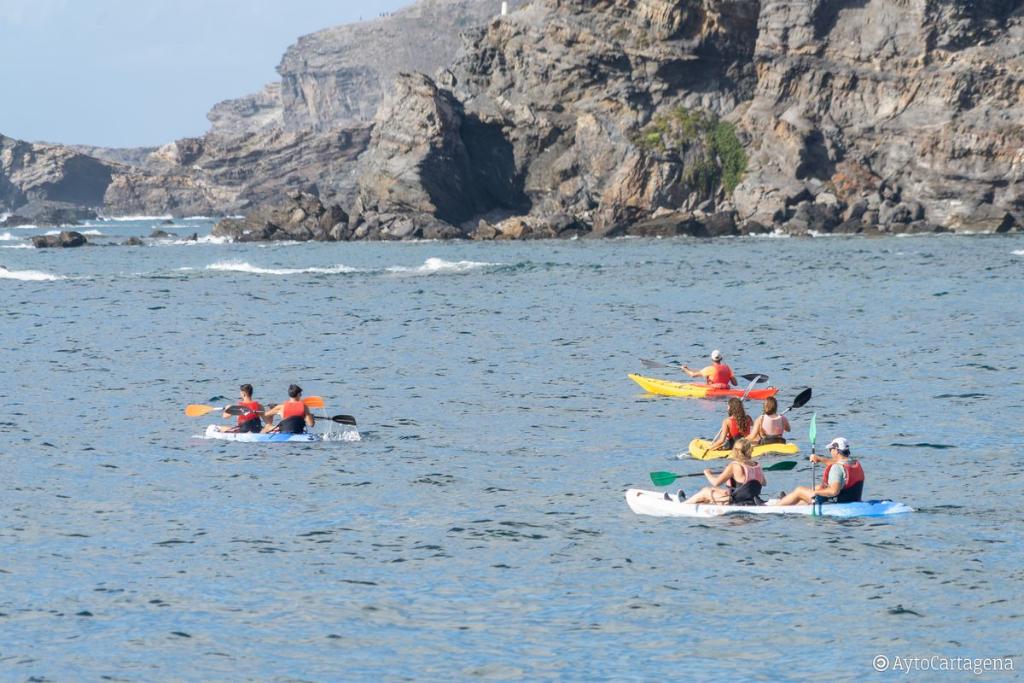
843	481
295	415
734	426
743	479
769	427
248	421
718	375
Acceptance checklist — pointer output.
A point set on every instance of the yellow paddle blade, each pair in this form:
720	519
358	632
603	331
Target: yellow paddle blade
197	409
313	402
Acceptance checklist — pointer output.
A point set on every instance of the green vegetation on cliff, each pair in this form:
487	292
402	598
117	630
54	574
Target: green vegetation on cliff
708	147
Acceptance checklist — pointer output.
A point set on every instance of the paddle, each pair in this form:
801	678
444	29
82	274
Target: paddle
800	401
198	409
813	435
666	478
340	419
755	380
656	364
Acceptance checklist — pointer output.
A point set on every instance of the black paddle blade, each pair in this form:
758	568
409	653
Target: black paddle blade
236	410
801	399
781	466
654	364
756	377
343	420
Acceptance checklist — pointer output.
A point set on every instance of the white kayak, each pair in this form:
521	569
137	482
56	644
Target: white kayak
276	437
654	503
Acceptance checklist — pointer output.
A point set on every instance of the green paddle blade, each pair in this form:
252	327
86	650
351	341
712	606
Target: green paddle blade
663	478
781	466
813	435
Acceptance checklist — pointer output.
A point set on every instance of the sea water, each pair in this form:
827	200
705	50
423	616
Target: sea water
479	529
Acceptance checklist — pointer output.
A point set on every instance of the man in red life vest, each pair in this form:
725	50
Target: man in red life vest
843	481
295	415
718	375
249	421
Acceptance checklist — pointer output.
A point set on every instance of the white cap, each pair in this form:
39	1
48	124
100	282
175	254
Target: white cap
840	443
716	355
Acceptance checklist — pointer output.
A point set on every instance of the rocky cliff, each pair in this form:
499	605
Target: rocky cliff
608	117
300	134
659	117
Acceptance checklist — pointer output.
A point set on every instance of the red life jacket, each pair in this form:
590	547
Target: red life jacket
734	427
854	475
721	374
252	411
293	409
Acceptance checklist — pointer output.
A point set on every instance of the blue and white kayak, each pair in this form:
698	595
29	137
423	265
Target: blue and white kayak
655	504
275	437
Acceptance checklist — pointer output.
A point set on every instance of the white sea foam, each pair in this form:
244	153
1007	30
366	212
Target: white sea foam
1018	252
28	275
16	246
92	233
128	219
8	237
244	267
205	239
437	265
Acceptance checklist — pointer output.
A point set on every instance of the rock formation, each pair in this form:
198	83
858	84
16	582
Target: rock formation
303	217
65	239
601	117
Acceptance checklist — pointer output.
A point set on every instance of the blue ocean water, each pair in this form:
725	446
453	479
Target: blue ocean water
479	529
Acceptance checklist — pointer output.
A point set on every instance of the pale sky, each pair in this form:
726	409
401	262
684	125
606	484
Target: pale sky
127	73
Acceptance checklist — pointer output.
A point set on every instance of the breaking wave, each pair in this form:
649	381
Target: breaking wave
245	267
28	275
436	265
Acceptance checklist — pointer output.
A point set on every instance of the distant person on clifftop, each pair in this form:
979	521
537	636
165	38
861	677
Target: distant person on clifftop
718	375
295	415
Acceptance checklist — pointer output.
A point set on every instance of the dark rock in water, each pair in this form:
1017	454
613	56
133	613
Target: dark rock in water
720	224
302	217
48	215
755	228
167	221
133	242
67	238
668	225
194	237
814	217
850	227
159	235
917	227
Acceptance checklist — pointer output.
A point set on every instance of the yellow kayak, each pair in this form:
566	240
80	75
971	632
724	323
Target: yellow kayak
664	387
699	450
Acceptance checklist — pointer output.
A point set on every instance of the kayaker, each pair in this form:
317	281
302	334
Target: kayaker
249	421
737	424
843	481
743	479
718	375
769	427
295	415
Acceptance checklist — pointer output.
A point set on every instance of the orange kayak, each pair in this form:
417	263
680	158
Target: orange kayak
664	387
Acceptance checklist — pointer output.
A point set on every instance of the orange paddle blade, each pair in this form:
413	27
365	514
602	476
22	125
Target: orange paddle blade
313	402
197	409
